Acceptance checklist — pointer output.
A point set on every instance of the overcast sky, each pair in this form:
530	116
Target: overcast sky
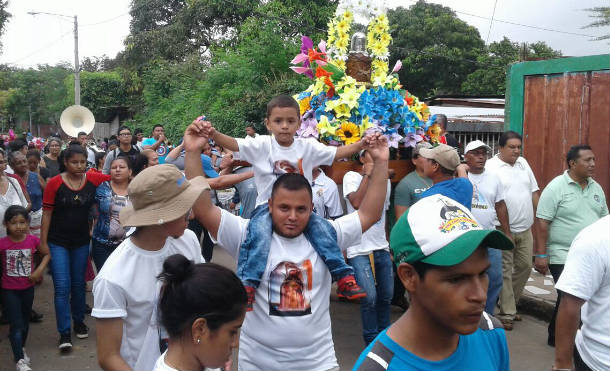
103	25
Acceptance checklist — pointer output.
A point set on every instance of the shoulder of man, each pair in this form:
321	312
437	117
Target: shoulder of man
377	359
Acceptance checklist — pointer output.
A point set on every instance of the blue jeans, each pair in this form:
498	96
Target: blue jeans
18	308
375	307
100	253
254	251
495	279
69	266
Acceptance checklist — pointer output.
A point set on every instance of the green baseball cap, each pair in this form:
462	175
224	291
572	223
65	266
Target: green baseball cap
440	231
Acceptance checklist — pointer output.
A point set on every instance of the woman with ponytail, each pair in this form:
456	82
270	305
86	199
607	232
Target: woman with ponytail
202	307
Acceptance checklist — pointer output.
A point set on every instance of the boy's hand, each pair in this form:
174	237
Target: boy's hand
195	136
378	148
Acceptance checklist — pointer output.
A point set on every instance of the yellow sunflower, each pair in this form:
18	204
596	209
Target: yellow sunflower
349	133
348	16
342	26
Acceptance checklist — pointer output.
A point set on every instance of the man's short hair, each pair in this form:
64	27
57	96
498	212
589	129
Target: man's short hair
157	126
122	127
574	152
282	101
138	131
81	133
507	135
17	144
291	182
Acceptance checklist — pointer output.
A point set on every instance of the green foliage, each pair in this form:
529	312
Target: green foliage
437	49
601	14
39	91
4	16
173	30
490	76
101	92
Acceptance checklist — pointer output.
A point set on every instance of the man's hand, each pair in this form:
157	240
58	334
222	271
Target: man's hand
541	265
195	137
378	148
161	138
208	129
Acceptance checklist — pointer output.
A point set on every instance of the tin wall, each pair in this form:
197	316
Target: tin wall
561	110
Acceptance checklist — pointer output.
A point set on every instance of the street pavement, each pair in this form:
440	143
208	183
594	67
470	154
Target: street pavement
527	342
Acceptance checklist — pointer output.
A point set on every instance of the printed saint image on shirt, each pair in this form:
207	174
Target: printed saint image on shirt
18	263
290	287
478	200
286	166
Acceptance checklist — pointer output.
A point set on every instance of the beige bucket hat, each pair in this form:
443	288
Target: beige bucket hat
160	194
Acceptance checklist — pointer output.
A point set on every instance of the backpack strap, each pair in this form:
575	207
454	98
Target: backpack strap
489	322
377	359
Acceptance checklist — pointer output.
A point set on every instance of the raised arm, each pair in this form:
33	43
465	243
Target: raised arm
372	204
175	153
350	149
355	198
221	139
226	181
206	213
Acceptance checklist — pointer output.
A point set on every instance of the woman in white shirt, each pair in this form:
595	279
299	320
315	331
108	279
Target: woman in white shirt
202	307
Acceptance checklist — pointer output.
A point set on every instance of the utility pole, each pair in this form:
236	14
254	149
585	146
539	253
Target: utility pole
76	62
30	112
76	65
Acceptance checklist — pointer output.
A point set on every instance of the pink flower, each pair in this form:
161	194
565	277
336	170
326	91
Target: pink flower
397	66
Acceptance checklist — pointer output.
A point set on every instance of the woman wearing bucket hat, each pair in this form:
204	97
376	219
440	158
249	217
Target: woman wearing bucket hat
126	290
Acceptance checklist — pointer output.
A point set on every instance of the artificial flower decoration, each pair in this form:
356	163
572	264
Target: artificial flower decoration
349	133
341	110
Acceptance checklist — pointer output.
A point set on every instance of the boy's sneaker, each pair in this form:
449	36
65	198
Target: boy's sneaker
65	342
250	291
25	357
22	365
348	288
81	330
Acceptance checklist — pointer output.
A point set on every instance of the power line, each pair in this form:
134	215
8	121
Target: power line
491	22
42	48
105	21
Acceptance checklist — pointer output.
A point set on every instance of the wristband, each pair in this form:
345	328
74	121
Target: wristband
541	256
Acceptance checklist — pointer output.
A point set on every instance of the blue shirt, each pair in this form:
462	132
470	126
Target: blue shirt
162	151
483	350
457	189
35	190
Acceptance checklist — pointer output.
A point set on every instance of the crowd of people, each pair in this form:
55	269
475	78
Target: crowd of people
142	217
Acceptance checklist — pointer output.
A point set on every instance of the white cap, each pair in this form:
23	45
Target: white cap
474	145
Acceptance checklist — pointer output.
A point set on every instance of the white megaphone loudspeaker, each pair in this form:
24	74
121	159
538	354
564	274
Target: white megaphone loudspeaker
76	119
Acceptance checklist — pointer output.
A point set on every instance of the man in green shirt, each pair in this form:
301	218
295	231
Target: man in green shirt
409	189
569	203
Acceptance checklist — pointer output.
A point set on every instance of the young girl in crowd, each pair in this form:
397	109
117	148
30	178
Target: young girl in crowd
110	198
18	278
202	308
67	200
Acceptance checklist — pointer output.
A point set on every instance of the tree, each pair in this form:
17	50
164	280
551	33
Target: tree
602	16
101	92
174	29
4	16
437	49
490	76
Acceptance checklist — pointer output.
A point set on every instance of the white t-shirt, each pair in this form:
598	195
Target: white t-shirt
487	191
91	157
13	196
289	328
519	183
270	160
586	275
127	287
326	200
375	237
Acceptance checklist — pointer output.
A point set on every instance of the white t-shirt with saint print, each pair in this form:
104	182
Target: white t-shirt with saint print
270	160
289	328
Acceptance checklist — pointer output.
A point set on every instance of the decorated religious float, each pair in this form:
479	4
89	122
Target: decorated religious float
353	91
